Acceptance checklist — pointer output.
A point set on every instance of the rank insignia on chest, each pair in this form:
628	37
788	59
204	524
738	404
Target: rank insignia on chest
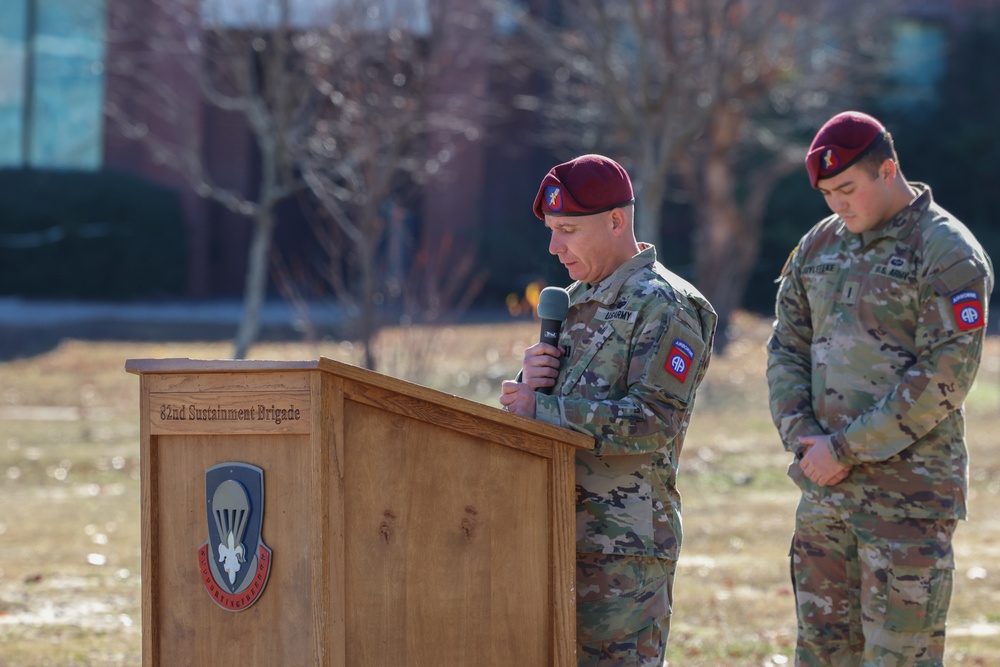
679	360
896	268
968	310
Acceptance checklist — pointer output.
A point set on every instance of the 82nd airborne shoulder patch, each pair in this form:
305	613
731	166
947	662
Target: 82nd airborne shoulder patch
676	367
679	360
968	309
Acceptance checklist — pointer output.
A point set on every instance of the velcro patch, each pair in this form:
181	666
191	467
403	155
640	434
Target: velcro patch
677	365
968	309
959	275
679	360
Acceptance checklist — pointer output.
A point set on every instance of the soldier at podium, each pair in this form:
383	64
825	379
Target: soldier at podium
634	347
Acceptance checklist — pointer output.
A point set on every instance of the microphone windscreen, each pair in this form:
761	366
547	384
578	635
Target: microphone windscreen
553	304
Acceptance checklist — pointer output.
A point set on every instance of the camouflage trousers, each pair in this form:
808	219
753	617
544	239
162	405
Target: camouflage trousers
622	610
870	591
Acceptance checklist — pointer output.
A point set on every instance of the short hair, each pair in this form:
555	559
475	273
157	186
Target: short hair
883	149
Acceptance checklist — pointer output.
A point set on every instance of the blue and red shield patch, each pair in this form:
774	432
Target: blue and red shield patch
679	360
553	198
829	161
968	309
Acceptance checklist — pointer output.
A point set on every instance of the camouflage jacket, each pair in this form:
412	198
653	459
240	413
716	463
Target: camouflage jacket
877	340
638	344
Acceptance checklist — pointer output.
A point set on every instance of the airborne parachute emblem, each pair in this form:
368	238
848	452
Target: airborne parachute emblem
234	562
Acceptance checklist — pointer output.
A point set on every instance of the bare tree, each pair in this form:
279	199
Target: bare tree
244	59
387	130
675	89
775	76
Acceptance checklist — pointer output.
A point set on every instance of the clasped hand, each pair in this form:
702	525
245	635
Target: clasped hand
818	463
539	369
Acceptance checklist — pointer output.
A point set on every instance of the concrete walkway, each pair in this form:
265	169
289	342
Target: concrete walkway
15	312
29	327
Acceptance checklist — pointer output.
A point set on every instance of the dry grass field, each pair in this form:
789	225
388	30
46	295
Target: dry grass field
69	497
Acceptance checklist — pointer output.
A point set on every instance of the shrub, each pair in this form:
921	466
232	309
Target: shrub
88	235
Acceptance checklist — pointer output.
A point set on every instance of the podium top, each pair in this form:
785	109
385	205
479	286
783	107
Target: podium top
183	365
362	377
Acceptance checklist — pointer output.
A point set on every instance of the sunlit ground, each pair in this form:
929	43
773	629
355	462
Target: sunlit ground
69	497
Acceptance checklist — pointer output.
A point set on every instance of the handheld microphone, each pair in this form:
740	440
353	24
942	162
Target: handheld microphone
553	307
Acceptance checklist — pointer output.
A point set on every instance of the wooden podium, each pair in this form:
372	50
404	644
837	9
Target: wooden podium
315	513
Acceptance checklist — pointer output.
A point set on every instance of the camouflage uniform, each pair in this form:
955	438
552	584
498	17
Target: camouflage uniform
638	344
877	340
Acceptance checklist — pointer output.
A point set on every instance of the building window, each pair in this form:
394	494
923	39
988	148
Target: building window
412	15
52	83
918	60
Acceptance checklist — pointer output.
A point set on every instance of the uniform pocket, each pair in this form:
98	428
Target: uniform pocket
624	605
918	586
822	284
581	379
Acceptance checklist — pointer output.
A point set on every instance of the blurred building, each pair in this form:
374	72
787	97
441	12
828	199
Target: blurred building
54	81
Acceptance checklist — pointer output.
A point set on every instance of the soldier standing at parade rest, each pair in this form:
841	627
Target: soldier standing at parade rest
634	347
881	316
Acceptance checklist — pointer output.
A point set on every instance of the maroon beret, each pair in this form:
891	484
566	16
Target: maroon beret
842	141
586	185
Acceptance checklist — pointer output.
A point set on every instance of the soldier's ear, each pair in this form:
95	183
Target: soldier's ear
619	223
887	170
